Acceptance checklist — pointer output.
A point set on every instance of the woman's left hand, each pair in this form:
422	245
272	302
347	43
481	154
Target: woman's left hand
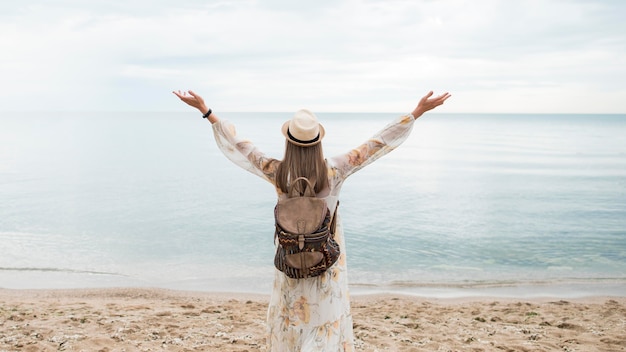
192	99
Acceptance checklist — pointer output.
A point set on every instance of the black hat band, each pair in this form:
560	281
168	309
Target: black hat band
300	141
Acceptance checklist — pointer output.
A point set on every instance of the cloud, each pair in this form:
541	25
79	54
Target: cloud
350	55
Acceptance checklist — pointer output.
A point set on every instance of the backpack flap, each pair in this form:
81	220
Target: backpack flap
304	260
301	215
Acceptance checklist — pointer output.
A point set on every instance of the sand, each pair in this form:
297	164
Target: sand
163	320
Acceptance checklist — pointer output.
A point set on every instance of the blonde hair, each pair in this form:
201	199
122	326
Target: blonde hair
306	162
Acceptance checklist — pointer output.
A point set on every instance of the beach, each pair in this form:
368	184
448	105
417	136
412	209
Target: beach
138	319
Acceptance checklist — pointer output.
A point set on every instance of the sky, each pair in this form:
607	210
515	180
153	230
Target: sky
493	56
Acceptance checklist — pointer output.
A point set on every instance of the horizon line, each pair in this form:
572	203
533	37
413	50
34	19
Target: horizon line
318	112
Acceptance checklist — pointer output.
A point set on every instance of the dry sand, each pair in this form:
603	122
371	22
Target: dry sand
164	320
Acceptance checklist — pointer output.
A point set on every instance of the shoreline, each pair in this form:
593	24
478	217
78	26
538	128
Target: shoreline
571	289
164	293
150	319
154	292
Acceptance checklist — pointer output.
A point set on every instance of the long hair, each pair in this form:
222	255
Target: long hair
306	162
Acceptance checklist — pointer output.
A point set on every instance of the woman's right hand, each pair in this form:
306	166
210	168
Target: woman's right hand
428	103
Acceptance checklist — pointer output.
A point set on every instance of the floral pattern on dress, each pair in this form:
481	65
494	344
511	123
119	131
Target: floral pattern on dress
312	314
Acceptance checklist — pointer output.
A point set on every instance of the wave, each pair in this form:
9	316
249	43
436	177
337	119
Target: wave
493	283
61	270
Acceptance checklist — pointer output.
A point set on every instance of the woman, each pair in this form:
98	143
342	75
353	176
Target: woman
311	314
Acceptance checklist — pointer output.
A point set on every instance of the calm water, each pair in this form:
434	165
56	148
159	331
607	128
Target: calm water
468	202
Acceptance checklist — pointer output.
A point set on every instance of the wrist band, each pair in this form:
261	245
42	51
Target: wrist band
206	116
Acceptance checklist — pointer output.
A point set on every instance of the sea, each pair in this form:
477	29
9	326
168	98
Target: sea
470	205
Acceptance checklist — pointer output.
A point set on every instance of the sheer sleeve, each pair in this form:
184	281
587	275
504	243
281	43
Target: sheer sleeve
243	152
380	144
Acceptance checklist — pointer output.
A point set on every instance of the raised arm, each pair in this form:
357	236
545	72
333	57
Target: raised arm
386	140
194	100
240	151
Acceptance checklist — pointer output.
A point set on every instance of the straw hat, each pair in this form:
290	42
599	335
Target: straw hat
303	129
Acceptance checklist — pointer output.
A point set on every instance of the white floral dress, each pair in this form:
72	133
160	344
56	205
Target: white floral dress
312	314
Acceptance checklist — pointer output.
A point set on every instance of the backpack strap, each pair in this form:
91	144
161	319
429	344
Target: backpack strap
309	189
333	221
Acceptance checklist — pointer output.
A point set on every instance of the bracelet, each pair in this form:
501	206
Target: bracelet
208	113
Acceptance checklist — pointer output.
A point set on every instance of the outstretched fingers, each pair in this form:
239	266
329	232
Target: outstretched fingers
192	99
440	99
184	96
426	97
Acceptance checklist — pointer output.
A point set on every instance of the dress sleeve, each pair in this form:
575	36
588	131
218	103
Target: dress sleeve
243	152
380	144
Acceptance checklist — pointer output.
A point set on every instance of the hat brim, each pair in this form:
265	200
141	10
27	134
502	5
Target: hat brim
285	128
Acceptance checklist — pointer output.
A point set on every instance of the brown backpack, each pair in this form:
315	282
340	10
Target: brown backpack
305	231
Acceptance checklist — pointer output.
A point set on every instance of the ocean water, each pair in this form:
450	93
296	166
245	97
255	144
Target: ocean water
470	204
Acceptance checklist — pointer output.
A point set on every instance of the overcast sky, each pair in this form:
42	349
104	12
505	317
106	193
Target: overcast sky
552	56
